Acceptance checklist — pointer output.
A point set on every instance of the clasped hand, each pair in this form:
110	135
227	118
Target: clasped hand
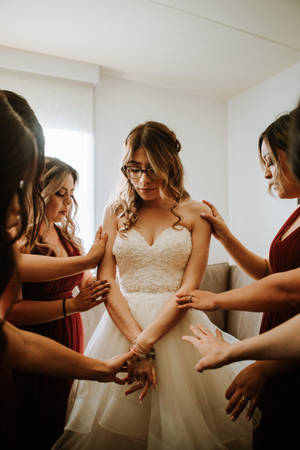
142	373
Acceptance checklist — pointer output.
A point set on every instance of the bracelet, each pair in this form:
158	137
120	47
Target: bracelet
142	352
149	355
64	307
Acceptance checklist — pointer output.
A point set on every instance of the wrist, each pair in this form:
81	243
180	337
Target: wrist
70	306
227	238
265	369
94	370
88	261
145	342
216	302
142	350
233	352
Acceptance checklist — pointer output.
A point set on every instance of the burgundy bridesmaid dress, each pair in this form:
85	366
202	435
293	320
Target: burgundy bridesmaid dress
280	398
43	400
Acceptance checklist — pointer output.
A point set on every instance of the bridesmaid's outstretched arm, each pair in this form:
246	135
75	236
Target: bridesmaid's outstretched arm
31	352
38	268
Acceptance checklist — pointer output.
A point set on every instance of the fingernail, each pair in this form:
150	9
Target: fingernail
140	402
232	418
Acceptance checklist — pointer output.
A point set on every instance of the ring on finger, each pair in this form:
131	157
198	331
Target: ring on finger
99	299
190	299
244	398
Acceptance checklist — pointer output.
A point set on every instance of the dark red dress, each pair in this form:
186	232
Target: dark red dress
280	399
9	431
43	400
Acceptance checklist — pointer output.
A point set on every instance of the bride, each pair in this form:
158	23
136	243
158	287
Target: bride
157	245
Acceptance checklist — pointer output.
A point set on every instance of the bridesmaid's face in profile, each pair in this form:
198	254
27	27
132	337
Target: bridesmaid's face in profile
142	176
279	174
61	201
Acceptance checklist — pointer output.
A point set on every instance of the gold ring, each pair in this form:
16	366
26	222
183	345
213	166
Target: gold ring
243	398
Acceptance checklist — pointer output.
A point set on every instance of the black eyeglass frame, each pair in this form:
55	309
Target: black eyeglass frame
149	171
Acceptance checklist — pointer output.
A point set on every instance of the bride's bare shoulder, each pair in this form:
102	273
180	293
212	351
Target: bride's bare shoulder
110	218
193	207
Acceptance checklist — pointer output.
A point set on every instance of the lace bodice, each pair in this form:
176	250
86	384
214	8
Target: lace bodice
152	268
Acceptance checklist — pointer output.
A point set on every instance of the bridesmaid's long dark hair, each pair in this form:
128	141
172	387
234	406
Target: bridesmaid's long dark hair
34	203
18	162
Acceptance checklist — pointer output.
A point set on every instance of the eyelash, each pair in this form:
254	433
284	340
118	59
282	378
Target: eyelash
62	195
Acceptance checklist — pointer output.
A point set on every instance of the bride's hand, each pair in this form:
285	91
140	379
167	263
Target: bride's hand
96	251
143	371
214	350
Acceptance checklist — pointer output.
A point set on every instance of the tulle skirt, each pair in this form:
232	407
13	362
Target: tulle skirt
186	412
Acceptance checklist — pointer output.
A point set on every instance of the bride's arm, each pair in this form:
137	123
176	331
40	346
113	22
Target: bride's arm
116	304
192	277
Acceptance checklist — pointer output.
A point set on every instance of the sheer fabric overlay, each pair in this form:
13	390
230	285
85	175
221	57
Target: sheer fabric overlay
188	408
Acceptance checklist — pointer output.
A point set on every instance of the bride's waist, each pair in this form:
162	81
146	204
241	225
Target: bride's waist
148	288
146	297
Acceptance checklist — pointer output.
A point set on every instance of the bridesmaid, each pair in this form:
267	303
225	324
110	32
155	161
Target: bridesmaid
272	385
49	308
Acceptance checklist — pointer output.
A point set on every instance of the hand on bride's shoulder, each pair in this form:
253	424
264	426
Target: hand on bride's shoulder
216	221
194	208
192	211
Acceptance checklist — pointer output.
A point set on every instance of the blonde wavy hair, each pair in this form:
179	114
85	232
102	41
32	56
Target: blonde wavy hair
51	182
162	148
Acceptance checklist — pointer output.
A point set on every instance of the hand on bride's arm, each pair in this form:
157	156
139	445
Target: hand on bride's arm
96	251
195	299
90	296
143	371
214	349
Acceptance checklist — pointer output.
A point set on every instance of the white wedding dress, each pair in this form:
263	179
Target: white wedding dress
187	411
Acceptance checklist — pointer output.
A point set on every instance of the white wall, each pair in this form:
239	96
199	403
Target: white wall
200	125
254	216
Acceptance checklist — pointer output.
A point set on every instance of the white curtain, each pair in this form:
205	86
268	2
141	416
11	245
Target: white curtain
65	110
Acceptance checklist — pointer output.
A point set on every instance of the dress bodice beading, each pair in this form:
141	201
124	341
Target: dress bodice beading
152	268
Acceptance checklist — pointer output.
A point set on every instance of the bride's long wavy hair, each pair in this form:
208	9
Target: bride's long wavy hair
162	149
52	180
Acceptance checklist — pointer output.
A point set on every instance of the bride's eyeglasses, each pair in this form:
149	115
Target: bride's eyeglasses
136	172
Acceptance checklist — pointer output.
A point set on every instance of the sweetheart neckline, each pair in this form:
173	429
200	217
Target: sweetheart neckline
160	234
